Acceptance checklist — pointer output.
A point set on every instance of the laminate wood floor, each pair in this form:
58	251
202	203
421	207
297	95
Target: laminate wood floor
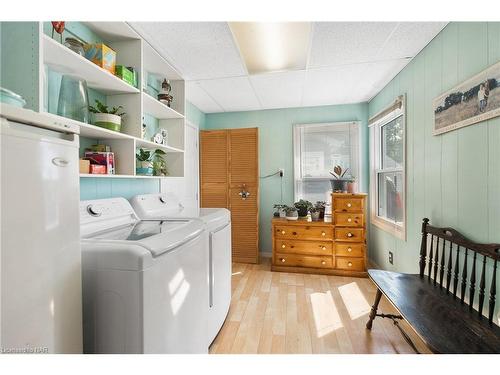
276	312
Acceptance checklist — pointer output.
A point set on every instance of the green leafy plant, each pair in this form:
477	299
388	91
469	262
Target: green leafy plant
303	206
320	205
290	210
338	172
155	158
102	108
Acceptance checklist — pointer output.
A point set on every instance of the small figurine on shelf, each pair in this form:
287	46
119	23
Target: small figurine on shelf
143	131
58	27
164	95
164	134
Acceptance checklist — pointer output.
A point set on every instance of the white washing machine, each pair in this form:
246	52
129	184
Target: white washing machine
218	225
145	282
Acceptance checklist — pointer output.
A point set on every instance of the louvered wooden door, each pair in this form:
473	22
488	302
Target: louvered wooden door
229	166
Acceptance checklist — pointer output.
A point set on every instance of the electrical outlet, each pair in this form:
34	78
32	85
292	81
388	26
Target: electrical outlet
282	172
391	257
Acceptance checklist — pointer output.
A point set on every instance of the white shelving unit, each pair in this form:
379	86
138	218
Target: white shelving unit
131	50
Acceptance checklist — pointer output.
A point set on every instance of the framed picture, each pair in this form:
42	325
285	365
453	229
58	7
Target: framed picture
475	100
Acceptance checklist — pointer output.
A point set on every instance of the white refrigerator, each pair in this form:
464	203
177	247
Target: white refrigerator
40	263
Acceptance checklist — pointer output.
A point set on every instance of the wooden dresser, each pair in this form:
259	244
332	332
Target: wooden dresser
337	248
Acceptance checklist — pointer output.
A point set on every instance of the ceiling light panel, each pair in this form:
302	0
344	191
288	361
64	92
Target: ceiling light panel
198	50
272	46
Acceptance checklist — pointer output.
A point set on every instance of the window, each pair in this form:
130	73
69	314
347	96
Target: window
387	183
317	149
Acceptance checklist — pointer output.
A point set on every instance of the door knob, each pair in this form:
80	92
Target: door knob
244	193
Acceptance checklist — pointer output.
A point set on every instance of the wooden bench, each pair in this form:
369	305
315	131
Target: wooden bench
438	302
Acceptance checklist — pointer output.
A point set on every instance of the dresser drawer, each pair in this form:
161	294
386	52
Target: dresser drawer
303	260
351	264
348	204
349	234
304	247
343	219
349	249
303	232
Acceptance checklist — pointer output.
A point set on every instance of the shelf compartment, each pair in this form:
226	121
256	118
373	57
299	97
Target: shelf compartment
63	60
88	175
157	109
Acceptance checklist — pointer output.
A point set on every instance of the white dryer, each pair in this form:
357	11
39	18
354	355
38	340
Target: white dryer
218	225
145	282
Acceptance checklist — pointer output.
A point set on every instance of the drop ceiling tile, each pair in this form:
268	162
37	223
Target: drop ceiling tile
409	38
378	74
232	94
279	90
198	50
339	43
197	96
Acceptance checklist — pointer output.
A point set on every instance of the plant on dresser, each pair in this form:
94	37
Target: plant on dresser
337	248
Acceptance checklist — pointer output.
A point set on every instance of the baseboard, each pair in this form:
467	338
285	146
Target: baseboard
266	254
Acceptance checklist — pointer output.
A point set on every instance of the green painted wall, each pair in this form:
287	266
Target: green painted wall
194	115
454	178
276	148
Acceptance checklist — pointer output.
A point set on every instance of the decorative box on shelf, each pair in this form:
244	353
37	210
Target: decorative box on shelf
336	248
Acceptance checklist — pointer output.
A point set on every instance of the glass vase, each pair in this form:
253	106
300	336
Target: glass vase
73	99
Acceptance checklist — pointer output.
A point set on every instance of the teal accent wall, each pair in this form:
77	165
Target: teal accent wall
97	188
454	178
276	148
194	115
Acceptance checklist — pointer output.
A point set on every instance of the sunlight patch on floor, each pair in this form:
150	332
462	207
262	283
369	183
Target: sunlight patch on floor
325	313
354	300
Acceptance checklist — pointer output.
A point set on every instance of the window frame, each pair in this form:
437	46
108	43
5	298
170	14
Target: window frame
297	154
376	157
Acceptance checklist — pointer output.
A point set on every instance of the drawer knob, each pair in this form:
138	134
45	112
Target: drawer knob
349	234
349	249
323	234
323	248
323	262
294	233
349	220
283	246
282	260
282	232
349	264
349	205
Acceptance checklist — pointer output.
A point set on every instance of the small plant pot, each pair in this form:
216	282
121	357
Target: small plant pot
302	212
322	214
144	168
339	185
282	213
108	121
292	215
315	215
352	187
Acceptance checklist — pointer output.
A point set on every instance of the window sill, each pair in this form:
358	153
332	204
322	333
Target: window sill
391	228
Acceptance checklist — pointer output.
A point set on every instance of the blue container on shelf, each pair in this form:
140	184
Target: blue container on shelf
146	171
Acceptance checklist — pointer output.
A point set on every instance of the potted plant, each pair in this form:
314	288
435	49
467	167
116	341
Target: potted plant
107	118
291	213
280	210
146	159
339	184
315	212
159	164
303	207
320	206
352	185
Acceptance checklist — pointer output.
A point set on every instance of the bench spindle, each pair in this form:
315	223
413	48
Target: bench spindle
430	257
436	261
464	278
472	282
441	269
448	274
493	292
481	287
423	247
455	272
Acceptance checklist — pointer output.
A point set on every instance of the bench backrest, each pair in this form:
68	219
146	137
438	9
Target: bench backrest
441	257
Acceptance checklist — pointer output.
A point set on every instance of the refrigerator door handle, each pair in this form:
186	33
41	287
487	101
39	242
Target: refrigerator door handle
60	162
